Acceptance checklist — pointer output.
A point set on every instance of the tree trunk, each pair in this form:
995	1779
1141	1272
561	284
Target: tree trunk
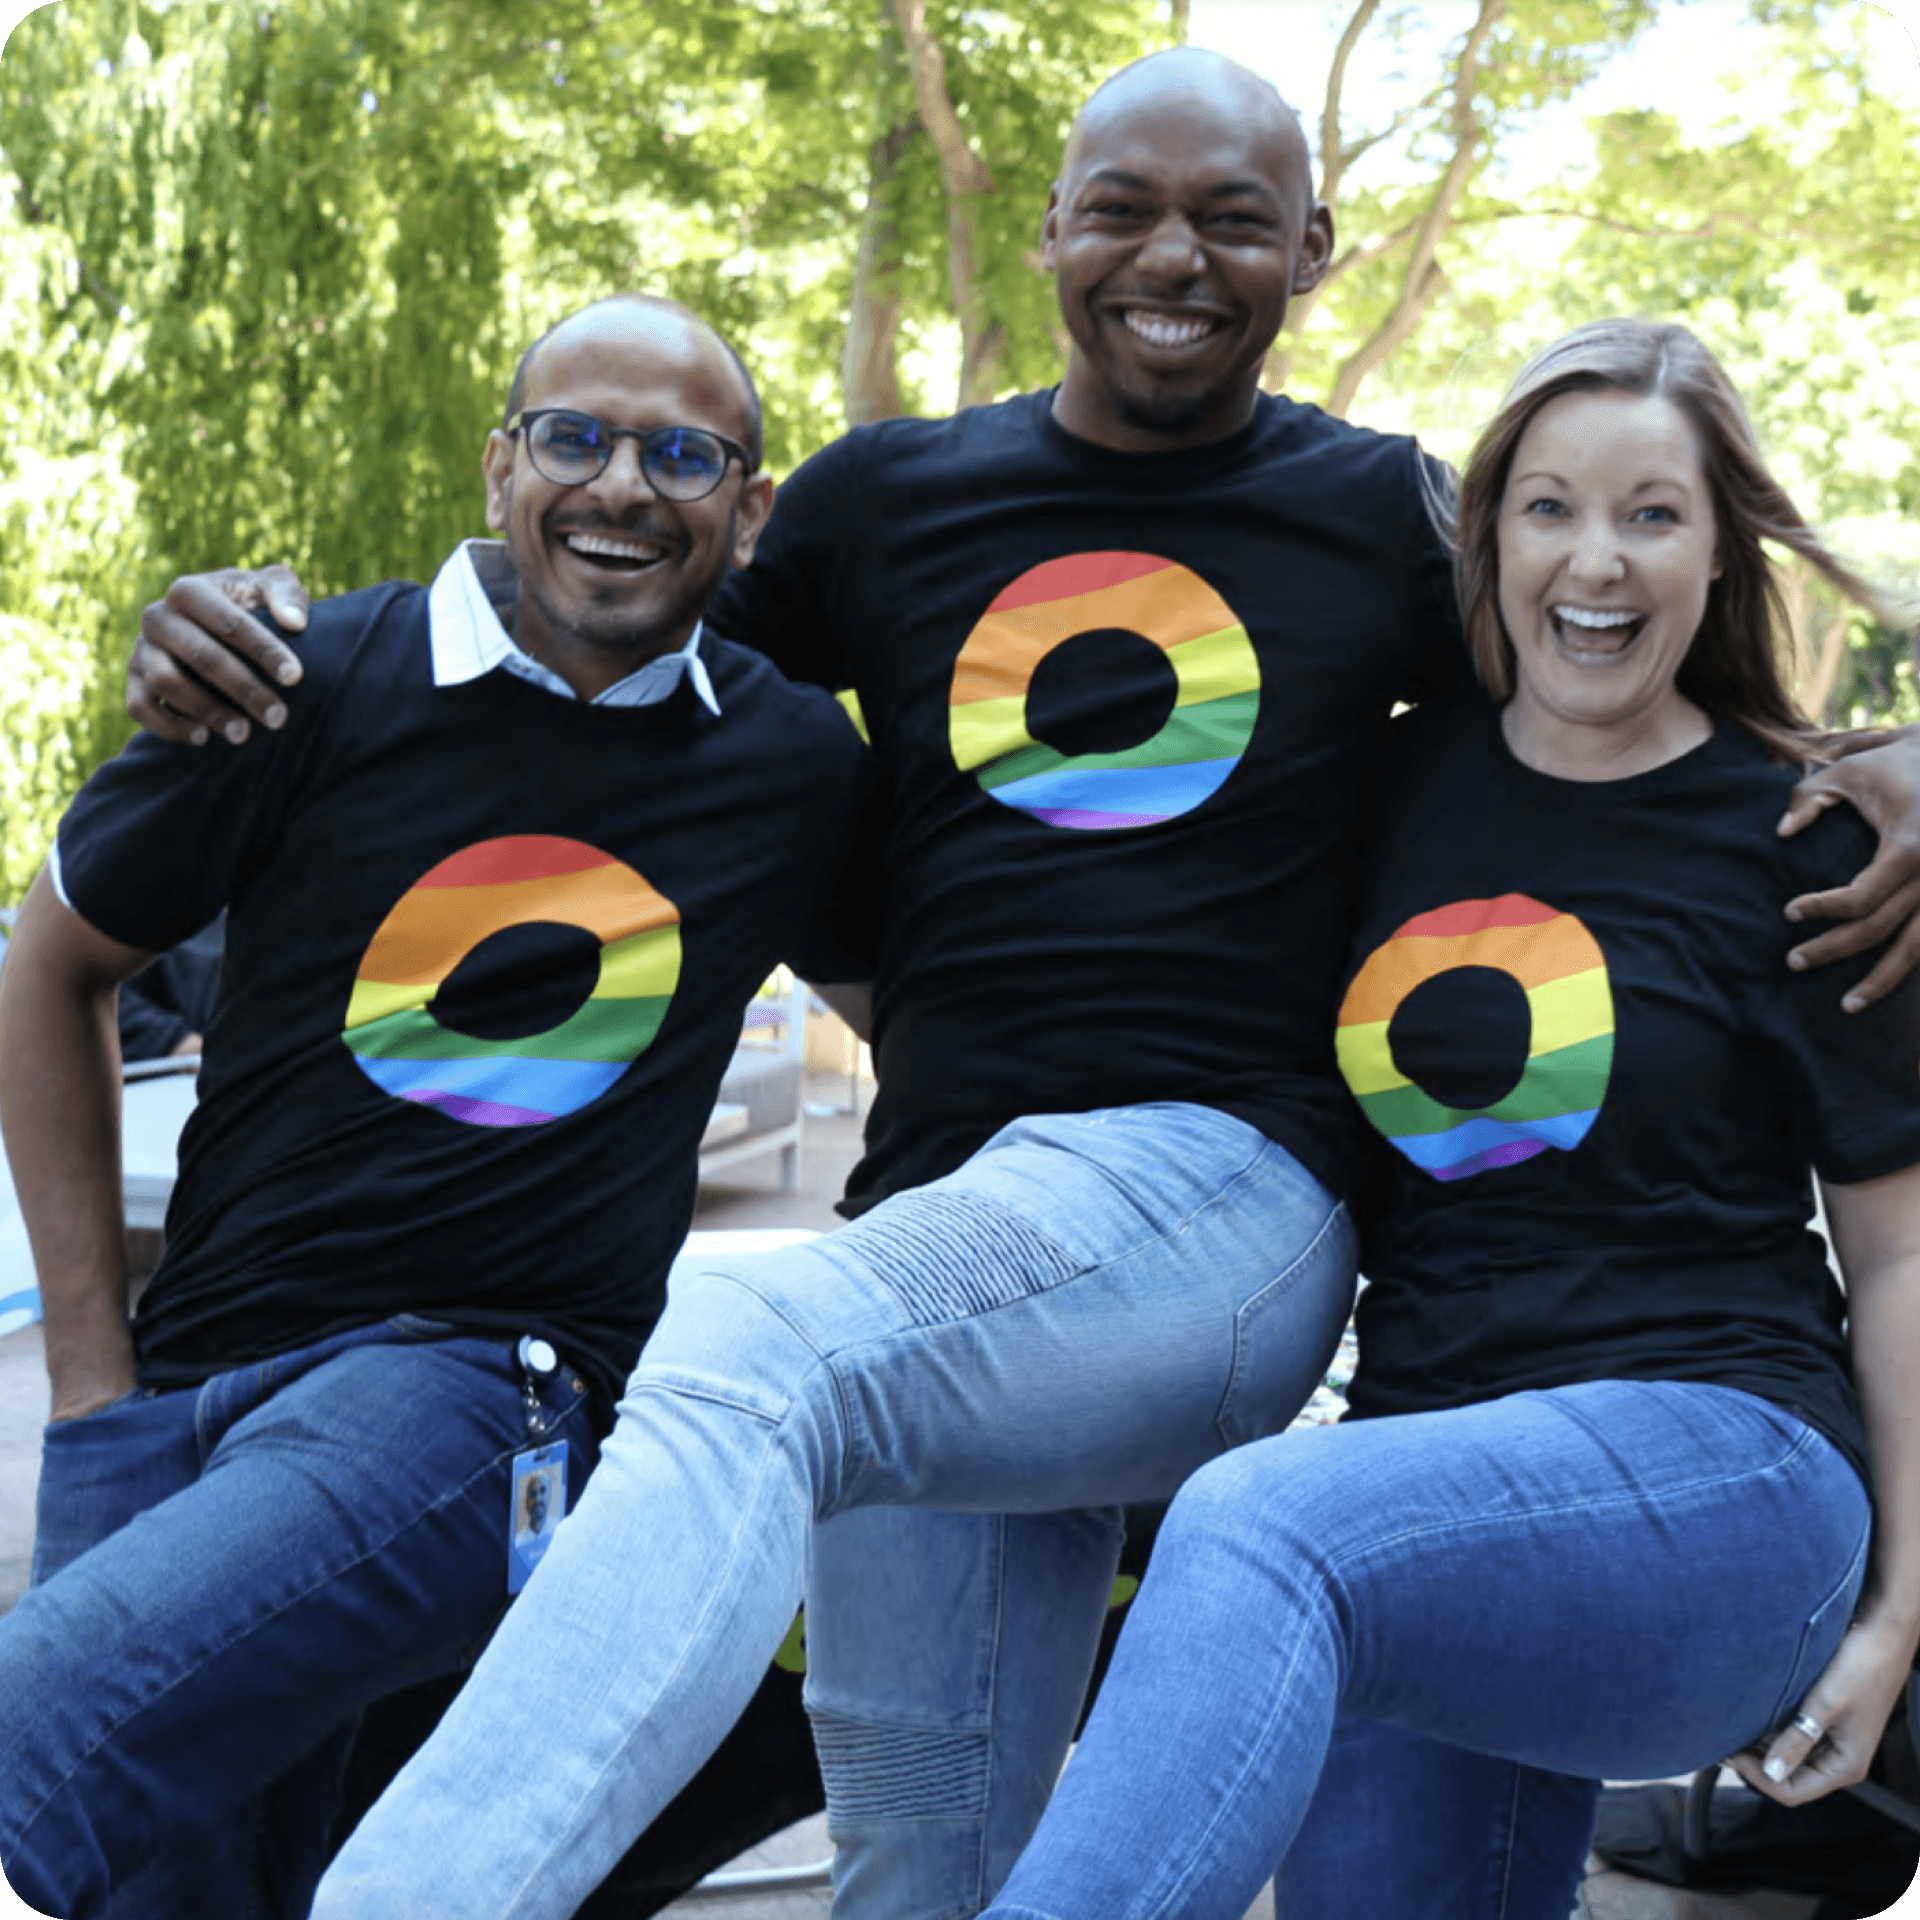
869	359
1177	18
983	339
1423	278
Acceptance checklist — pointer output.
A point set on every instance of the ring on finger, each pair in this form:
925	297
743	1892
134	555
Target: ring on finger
1807	1724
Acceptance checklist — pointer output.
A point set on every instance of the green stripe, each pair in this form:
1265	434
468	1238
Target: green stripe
1569	1081
605	1030
1210	730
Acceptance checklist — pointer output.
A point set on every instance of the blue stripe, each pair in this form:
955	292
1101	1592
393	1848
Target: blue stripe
19	1310
545	1086
1154	790
1431	1150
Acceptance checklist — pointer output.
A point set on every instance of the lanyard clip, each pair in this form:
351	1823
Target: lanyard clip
537	1361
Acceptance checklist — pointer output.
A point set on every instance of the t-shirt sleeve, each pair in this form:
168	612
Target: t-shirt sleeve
161	839
1858	1074
1442	669
837	940
783	605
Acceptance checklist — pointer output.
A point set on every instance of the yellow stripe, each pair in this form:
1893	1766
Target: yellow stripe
1366	1062
642	968
375	999
1214	666
1565	1013
1568	1011
988	729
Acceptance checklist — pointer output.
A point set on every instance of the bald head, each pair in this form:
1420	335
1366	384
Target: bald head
1204	82
651	323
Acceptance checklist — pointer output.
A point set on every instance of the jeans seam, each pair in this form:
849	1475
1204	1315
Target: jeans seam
1512	1829
186	1675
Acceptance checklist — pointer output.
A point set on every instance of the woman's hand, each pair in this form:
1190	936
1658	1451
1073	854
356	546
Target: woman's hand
1851	1701
204	666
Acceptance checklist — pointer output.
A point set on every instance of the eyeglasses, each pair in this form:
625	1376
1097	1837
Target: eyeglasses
680	463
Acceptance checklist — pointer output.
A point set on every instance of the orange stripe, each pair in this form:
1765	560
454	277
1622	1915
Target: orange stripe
428	934
1533	955
1169	607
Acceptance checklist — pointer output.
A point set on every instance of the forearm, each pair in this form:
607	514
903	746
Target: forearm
60	1110
1884	1310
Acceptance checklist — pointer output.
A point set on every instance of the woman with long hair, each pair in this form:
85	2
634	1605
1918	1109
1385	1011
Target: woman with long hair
1602	1504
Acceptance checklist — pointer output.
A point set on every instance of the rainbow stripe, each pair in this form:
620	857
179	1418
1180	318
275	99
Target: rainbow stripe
399	1044
1569	1054
1182	765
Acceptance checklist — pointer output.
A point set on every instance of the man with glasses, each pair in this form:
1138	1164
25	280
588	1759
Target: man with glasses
497	896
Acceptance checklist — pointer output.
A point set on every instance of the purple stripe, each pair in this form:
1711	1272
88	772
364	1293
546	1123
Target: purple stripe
1080	817
478	1113
1508	1153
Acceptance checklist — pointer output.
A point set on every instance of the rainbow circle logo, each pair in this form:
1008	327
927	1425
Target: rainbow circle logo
403	1049
1173	772
1569	1052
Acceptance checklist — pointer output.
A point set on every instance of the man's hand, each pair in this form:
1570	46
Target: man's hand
202	666
85	1384
1880	775
1850	1704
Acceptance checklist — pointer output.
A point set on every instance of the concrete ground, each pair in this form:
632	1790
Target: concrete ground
750	1197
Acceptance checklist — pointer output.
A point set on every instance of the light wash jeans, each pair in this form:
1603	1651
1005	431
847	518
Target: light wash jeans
225	1577
1090	1308
1393	1659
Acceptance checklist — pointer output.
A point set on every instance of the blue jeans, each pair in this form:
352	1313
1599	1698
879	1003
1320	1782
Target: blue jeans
1090	1308
225	1577
1418	1644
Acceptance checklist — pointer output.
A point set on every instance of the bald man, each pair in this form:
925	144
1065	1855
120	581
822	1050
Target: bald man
1128	650
497	896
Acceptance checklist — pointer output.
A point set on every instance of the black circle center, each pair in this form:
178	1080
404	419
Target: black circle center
1102	691
1462	1037
519	981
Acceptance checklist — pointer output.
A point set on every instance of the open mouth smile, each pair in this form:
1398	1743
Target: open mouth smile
1169	331
617	553
1596	631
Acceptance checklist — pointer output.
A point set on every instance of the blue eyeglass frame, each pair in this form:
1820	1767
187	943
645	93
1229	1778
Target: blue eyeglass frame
648	437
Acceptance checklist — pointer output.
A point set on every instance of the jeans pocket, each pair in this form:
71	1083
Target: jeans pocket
1826	1627
416	1326
1284	1335
118	1401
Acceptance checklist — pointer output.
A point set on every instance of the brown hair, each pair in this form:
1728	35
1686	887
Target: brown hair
1732	669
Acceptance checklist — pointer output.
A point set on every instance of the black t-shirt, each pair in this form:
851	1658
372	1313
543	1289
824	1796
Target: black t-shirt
1573	1020
1128	709
486	959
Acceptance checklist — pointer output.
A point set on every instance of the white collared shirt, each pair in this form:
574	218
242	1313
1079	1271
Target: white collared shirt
468	639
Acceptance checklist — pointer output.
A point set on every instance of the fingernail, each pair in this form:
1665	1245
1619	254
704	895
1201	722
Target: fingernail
1798	962
1793	914
286	673
1776	1770
236	731
275	715
1852	1004
198	737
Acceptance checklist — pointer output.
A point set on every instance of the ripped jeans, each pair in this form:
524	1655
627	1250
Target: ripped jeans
1089	1309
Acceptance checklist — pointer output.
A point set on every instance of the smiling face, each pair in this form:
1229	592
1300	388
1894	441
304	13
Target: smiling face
1607	551
611	574
1182	224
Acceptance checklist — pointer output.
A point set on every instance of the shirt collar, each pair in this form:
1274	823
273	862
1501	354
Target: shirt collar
468	639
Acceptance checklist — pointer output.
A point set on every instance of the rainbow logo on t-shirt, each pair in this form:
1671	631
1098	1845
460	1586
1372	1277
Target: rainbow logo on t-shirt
1569	1053
399	1044
1171	773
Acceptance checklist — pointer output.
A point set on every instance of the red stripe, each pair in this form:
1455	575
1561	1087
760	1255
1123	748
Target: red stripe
1476	916
1078	573
527	856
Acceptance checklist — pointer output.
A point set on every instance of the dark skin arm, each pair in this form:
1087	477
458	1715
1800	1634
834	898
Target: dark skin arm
203	667
60	1106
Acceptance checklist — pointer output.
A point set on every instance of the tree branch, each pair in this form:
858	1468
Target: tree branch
1423	278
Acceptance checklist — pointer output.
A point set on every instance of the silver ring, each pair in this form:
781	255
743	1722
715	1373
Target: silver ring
1807	1724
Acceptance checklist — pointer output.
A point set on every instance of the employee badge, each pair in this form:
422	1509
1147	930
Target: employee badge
539	1505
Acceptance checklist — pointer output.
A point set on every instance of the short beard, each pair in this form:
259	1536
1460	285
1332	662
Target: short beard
1171	415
